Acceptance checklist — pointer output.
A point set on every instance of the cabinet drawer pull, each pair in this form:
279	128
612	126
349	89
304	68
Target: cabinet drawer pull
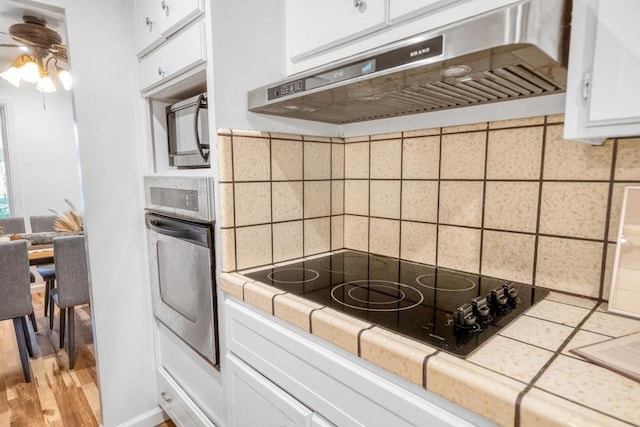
149	23
165	6
161	72
165	396
361	5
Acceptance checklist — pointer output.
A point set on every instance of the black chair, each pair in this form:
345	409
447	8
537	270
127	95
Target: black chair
41	224
16	296
72	286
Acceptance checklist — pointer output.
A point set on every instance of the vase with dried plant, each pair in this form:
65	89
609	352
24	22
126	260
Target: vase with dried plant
68	221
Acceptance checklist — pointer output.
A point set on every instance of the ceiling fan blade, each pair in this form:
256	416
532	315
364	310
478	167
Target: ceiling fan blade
8	45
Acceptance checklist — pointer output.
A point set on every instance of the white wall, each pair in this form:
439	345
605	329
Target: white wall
248	38
101	61
43	152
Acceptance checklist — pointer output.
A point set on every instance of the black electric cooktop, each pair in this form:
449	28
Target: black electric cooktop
451	310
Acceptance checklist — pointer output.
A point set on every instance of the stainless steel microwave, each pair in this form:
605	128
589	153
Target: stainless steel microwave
188	133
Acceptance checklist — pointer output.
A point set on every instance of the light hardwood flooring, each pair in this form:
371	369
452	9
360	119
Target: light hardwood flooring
56	395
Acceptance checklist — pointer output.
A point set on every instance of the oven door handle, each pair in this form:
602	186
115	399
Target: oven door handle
178	233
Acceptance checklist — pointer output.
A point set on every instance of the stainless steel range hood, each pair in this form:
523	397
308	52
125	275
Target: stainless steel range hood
508	53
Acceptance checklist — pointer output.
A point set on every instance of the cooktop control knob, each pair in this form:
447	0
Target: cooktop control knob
464	316
498	298
480	307
510	291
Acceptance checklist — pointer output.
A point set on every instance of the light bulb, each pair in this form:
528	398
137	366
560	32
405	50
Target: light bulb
46	85
12	75
30	72
65	78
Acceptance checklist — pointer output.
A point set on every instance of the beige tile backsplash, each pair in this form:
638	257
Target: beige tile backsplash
509	199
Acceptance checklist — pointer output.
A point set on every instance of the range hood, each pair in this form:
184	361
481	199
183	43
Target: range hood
513	52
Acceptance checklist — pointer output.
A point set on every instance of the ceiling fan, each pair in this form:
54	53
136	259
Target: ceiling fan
40	46
35	38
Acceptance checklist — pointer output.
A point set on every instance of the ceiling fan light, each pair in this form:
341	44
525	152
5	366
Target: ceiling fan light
30	72
65	78
46	85
12	75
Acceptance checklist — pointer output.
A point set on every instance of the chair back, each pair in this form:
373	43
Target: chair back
12	225
15	290
72	276
42	223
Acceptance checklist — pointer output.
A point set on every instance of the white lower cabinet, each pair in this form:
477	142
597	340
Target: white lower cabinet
256	401
284	378
177	404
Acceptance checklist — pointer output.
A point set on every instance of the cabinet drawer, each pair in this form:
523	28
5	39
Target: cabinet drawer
342	391
175	402
270	405
180	53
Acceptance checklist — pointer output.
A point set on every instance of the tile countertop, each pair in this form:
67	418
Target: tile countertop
524	376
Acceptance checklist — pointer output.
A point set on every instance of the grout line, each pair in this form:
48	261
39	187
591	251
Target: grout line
424	367
235	210
438	197
400	201
484	199
331	196
271	198
544	368
536	239
303	195
359	337
310	315
607	220
570	181
369	201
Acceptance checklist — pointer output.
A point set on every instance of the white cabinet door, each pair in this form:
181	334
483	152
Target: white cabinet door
255	401
177	13
179	54
156	20
315	25
603	90
405	9
146	28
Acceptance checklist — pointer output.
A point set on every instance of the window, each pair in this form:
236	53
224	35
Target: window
5	205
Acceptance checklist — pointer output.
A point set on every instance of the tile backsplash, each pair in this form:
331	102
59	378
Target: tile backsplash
509	199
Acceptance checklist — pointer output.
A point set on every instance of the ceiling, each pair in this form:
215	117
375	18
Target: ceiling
12	11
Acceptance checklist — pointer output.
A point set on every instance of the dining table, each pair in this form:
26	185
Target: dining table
41	256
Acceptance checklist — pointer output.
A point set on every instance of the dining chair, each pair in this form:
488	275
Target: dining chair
15	302
12	225
41	224
72	288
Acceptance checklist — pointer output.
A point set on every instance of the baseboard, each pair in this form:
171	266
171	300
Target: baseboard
149	419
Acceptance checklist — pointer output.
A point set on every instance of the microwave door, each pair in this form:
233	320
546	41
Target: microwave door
188	129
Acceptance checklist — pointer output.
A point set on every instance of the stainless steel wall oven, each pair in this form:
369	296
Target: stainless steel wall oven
179	219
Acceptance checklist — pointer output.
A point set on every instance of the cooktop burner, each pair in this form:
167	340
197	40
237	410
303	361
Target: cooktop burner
447	309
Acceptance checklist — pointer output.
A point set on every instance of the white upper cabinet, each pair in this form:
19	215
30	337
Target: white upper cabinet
603	93
405	9
157	20
314	25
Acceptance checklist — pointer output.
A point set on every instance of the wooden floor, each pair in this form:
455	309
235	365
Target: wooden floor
56	396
